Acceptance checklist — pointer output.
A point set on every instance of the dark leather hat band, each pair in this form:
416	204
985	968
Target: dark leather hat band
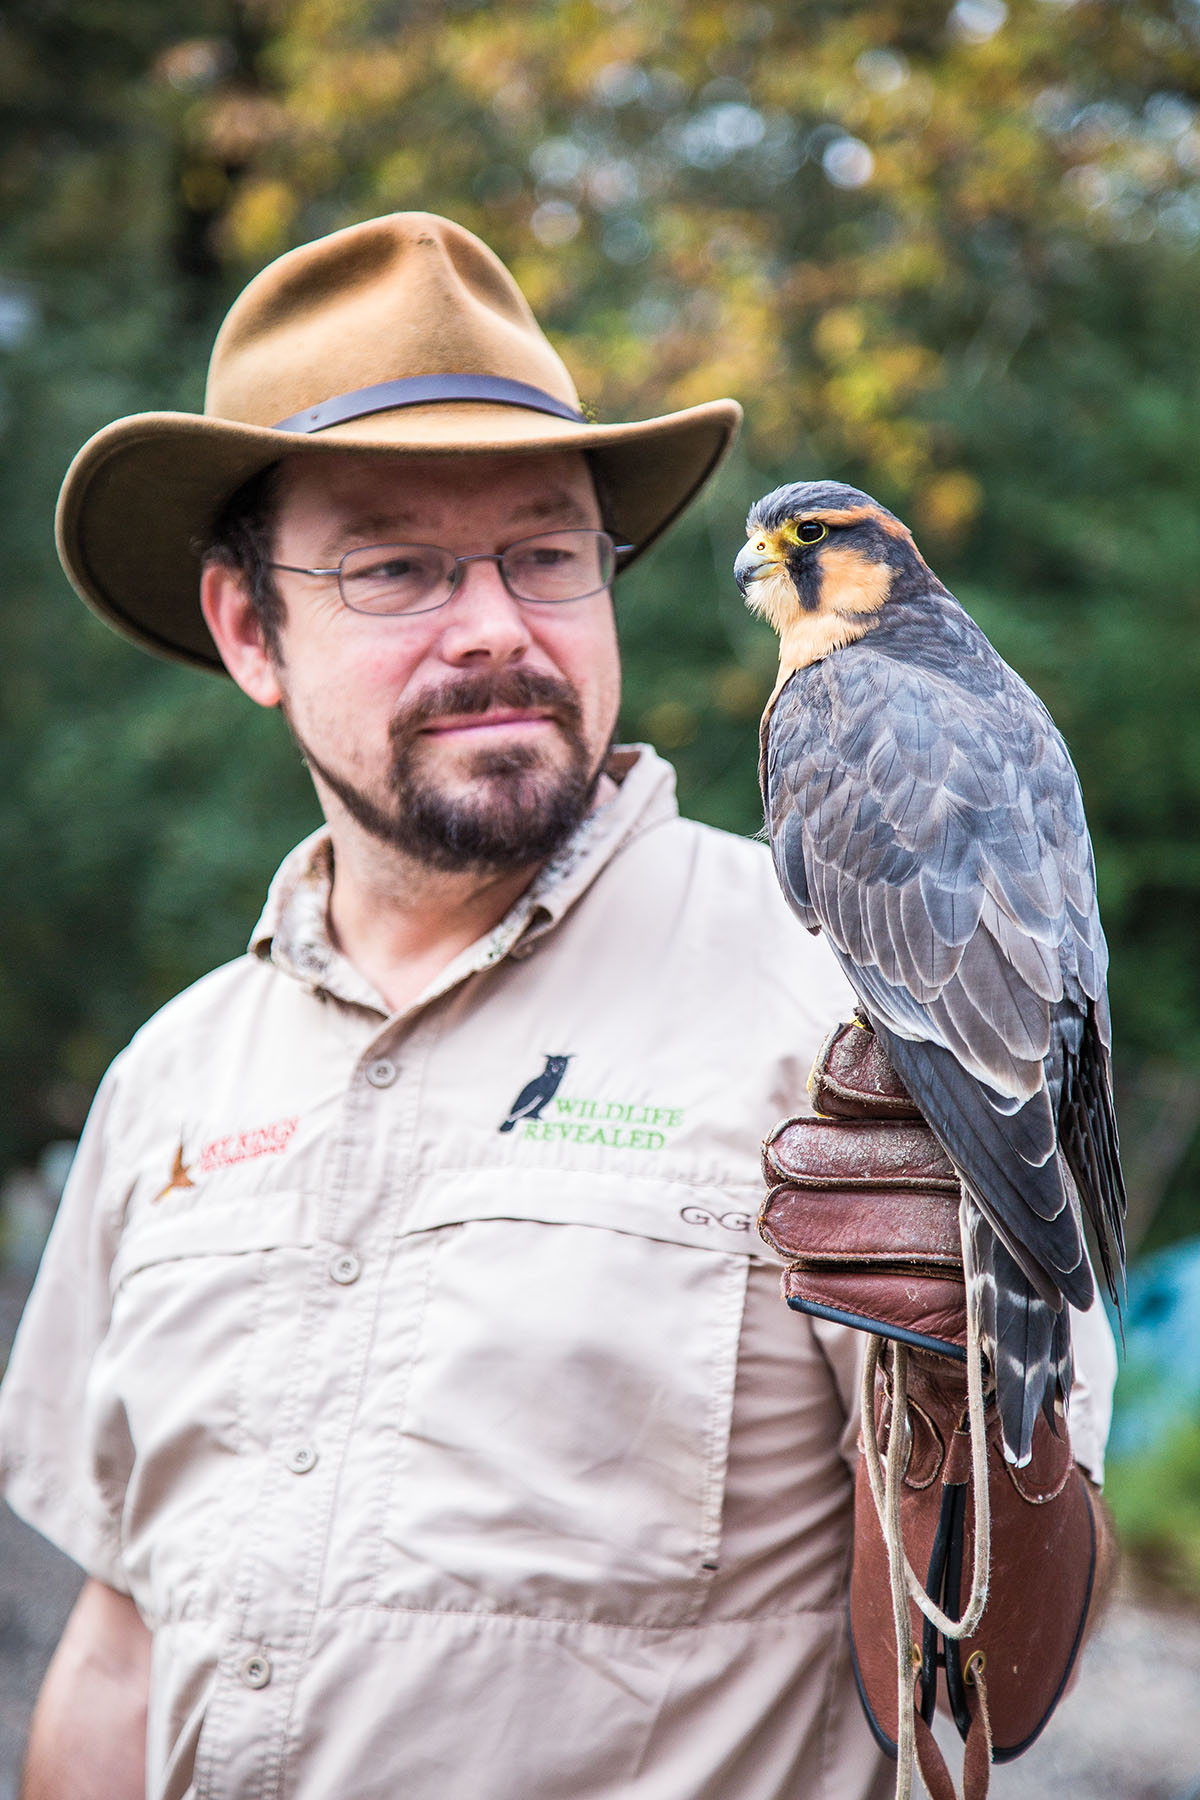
422	390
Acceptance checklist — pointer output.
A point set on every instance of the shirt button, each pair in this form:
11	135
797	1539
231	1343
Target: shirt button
382	1072
301	1458
345	1268
255	1672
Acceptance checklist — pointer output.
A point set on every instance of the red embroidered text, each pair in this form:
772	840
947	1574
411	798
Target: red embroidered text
244	1146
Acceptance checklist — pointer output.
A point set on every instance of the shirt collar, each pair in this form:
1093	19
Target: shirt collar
293	932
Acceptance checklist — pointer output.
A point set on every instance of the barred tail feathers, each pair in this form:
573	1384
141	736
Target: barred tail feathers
1027	1342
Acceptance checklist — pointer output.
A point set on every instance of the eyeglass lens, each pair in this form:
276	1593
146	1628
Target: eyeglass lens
399	578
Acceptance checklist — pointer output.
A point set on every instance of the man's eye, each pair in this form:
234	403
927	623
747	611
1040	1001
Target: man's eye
389	568
546	556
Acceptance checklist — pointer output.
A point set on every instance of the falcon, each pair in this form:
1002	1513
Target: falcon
924	814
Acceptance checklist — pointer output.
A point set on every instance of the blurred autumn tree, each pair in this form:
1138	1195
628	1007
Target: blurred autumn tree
948	252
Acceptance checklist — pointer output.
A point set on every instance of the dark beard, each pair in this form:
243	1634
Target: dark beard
523	811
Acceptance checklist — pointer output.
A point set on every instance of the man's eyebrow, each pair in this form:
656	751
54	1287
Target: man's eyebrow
391	527
557	504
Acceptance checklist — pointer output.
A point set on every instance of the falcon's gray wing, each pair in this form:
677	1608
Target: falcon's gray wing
924	811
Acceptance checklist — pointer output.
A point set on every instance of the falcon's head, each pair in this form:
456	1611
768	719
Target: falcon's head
820	561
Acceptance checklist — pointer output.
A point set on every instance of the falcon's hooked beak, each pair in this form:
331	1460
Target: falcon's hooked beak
761	571
755	559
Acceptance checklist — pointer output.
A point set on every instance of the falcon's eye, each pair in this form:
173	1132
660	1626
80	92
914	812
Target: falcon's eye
811	531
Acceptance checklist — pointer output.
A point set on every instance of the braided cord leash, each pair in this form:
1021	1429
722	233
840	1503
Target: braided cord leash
885	1491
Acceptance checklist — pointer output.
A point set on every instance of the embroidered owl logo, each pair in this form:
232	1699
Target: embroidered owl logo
534	1095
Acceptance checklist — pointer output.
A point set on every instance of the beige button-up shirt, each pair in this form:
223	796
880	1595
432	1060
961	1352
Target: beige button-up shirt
422	1376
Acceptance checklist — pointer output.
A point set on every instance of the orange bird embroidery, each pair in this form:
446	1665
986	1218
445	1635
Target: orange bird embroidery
179	1176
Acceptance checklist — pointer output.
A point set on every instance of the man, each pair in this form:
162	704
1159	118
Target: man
404	1371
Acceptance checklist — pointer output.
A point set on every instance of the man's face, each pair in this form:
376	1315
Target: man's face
471	736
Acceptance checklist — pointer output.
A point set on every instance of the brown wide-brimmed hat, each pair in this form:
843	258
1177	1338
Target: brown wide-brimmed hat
404	335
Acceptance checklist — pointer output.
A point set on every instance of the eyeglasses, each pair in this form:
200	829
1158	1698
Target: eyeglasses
404	579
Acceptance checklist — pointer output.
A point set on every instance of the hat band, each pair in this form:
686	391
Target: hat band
421	390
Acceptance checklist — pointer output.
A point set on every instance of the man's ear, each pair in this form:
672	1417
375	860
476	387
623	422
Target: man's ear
237	632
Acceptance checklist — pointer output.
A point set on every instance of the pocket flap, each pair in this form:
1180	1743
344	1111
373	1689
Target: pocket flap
674	1212
234	1225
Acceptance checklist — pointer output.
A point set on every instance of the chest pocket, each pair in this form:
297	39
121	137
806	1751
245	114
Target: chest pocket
195	1290
561	1446
203	1322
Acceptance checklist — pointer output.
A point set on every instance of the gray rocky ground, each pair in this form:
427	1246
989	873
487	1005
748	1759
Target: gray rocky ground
37	1588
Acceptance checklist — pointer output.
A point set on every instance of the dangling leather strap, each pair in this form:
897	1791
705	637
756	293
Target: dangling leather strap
977	1752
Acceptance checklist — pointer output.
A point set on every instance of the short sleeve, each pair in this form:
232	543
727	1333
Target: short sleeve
1090	1408
845	1350
65	1452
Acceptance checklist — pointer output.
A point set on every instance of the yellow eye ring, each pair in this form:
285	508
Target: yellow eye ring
811	531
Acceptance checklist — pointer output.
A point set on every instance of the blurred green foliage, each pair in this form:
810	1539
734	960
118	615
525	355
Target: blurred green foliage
1155	1502
947	252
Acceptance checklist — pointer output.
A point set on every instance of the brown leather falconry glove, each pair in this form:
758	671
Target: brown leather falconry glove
864	1205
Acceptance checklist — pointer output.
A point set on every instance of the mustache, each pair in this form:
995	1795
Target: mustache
479	693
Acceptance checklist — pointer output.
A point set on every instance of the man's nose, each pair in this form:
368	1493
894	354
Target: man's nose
482	620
